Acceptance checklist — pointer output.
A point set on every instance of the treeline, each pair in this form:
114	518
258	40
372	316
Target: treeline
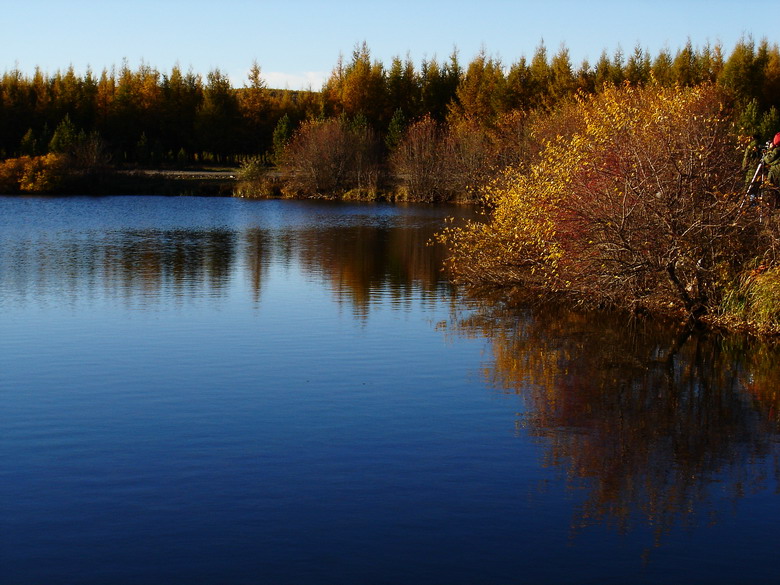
144	116
378	122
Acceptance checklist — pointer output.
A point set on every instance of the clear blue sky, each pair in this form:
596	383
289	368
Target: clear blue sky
298	42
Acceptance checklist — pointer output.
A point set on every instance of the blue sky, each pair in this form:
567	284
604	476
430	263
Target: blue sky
298	42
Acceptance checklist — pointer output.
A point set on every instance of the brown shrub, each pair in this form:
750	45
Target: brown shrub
331	157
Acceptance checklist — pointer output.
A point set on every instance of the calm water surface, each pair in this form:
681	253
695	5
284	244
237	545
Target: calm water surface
199	390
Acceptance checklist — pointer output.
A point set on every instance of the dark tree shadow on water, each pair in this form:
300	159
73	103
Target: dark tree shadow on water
655	424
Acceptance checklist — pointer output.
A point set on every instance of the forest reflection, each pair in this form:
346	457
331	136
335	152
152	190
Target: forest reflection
656	428
359	263
365	263
144	264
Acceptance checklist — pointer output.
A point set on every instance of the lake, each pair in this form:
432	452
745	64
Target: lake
215	390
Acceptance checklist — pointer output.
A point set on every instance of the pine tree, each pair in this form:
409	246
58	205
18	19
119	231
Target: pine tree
482	93
638	67
29	145
281	137
561	76
395	130
64	138
539	77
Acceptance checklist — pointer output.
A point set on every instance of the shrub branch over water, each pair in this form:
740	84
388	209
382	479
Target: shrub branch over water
639	204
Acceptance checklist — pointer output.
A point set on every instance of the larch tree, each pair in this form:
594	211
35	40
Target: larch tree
638	67
403	88
662	69
539	77
254	104
218	117
561	77
518	85
482	94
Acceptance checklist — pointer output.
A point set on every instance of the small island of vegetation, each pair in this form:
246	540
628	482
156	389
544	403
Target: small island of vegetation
618	184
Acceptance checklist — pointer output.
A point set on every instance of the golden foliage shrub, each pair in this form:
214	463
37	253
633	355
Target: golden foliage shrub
11	171
43	173
437	162
38	174
640	204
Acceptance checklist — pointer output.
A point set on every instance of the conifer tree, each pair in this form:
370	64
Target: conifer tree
561	76
281	136
358	87
218	117
770	91
638	67
453	72
395	130
602	73
585	79
539	77
617	67
254	106
28	145
684	67
435	89
64	138
16	110
104	98
182	97
403	87
740	72
66	93
518	86
662	69
482	93
41	94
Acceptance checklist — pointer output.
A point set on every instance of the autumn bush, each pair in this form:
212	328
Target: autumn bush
436	162
418	162
37	174
470	154
11	171
332	157
641	205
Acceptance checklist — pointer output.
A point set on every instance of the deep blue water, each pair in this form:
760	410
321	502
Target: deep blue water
198	390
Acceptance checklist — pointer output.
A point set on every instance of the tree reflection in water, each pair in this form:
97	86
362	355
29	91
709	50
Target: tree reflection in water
657	427
361	259
137	265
